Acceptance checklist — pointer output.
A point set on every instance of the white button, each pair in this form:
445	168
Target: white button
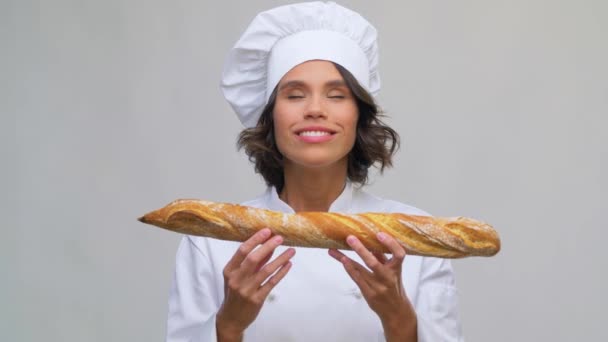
355	293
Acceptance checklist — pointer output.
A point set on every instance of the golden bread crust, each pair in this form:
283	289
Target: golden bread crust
454	237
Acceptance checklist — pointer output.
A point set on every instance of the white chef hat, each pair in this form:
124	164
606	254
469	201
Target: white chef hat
281	38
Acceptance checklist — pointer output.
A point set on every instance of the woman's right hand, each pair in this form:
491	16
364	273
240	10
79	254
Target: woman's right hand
248	281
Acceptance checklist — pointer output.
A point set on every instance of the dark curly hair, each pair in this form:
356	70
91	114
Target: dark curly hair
375	143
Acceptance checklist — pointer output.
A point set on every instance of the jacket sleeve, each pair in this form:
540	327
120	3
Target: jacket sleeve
437	306
193	296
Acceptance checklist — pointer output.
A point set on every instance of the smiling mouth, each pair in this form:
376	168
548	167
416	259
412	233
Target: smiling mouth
314	133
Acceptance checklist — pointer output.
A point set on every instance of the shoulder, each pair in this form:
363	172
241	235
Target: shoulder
257	202
365	201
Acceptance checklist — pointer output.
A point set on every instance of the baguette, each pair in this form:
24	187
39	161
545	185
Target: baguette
455	237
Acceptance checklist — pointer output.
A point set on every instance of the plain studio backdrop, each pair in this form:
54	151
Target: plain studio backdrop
112	108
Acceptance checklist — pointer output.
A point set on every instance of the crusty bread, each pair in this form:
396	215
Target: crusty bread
420	235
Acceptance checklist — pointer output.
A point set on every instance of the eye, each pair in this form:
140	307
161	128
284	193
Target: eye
294	94
337	94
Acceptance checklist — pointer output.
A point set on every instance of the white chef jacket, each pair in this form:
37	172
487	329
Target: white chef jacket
317	300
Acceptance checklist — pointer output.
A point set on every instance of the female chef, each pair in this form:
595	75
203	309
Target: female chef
301	80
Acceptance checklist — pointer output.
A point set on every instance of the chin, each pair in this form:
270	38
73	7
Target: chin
318	160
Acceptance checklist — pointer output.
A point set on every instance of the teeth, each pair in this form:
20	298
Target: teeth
314	133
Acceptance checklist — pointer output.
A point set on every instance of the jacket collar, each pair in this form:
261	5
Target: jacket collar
342	204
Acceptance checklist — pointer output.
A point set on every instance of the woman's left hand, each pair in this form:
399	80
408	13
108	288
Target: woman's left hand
382	287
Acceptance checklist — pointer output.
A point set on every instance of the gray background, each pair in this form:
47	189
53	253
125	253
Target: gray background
112	108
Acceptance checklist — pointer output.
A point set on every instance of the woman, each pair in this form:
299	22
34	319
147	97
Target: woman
301	78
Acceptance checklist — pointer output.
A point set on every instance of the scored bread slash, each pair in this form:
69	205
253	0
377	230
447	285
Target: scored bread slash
454	237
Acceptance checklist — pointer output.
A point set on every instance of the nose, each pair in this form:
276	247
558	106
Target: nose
315	108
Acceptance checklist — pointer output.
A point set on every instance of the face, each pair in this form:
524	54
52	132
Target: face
315	116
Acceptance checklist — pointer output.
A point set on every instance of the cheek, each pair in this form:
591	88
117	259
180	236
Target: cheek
278	119
351	122
281	129
282	115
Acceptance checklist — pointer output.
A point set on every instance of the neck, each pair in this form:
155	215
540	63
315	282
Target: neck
312	189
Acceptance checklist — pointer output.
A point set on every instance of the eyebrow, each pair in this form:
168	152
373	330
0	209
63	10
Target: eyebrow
298	83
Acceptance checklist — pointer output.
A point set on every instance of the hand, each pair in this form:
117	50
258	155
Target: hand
245	289
382	287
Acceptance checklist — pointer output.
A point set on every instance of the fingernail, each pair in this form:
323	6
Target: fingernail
278	239
265	232
351	239
381	236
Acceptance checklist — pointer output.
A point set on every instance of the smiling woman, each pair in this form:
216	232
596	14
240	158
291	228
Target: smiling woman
302	80
374	142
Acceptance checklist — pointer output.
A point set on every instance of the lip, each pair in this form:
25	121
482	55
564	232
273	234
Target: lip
315	139
315	128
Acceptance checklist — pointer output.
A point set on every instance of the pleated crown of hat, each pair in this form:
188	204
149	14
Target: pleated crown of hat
283	37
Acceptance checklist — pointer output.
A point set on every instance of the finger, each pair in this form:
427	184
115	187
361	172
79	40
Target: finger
336	254
343	259
381	257
255	258
396	249
264	261
346	261
358	274
246	247
270	268
368	257
273	281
